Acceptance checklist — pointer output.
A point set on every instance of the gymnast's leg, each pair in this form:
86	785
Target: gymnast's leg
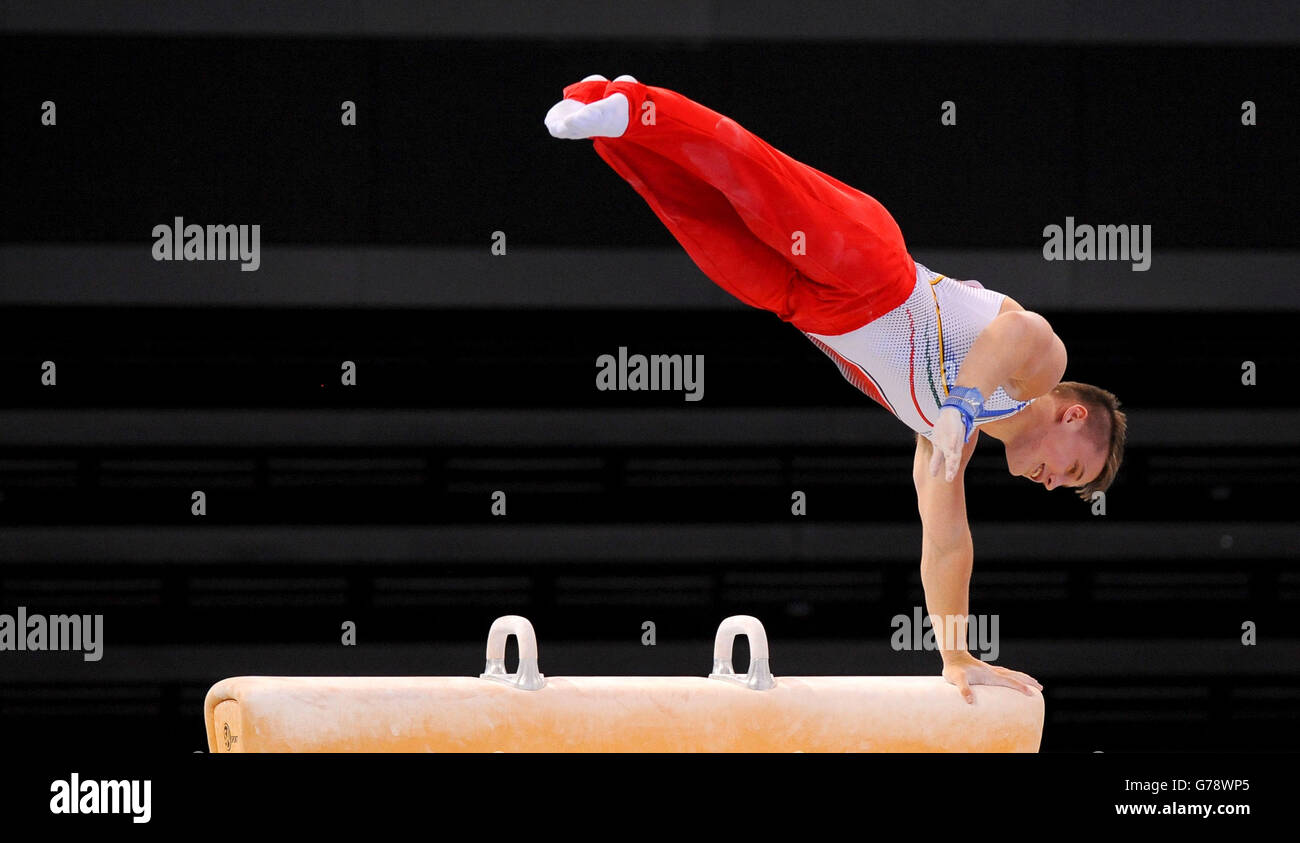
699	217
692	165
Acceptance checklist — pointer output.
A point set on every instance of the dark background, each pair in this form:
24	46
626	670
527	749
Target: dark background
476	372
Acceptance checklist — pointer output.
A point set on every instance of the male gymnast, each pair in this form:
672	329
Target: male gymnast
948	358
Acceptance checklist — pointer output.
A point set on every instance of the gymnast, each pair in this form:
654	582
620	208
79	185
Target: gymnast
947	357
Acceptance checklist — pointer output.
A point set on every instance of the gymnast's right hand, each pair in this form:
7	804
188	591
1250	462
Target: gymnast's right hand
948	438
963	670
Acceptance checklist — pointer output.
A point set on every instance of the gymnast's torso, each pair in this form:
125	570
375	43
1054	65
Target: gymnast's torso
907	359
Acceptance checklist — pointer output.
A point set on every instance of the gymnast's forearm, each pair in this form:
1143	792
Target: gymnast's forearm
945	577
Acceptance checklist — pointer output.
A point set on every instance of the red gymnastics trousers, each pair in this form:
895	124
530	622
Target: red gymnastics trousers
776	234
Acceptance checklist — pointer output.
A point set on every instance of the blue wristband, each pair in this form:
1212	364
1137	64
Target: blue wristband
967	401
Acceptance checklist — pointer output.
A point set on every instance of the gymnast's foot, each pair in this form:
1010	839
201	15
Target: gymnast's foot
604	118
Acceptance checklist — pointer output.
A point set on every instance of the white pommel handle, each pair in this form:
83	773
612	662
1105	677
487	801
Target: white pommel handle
527	678
759	677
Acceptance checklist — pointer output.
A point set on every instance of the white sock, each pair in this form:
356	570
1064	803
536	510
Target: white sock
605	118
555	117
562	109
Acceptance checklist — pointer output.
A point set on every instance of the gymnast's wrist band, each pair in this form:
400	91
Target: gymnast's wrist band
968	402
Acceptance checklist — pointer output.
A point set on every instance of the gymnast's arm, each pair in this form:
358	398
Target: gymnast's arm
1017	351
947	556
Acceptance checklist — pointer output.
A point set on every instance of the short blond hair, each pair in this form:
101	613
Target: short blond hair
1107	426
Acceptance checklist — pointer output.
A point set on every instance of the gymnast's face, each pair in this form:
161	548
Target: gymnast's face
1059	452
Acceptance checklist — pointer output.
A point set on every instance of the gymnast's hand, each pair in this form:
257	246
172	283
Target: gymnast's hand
963	670
947	438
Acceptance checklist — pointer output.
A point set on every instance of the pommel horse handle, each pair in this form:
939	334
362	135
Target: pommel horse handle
527	678
759	677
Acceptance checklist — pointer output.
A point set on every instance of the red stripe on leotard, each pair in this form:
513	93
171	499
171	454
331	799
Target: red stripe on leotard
911	360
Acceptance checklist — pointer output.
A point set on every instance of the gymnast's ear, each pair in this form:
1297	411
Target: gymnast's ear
1074	412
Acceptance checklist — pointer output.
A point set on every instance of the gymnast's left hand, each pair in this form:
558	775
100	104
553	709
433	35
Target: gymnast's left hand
947	439
963	670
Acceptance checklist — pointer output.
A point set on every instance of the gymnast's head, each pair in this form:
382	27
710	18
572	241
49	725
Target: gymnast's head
1076	440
